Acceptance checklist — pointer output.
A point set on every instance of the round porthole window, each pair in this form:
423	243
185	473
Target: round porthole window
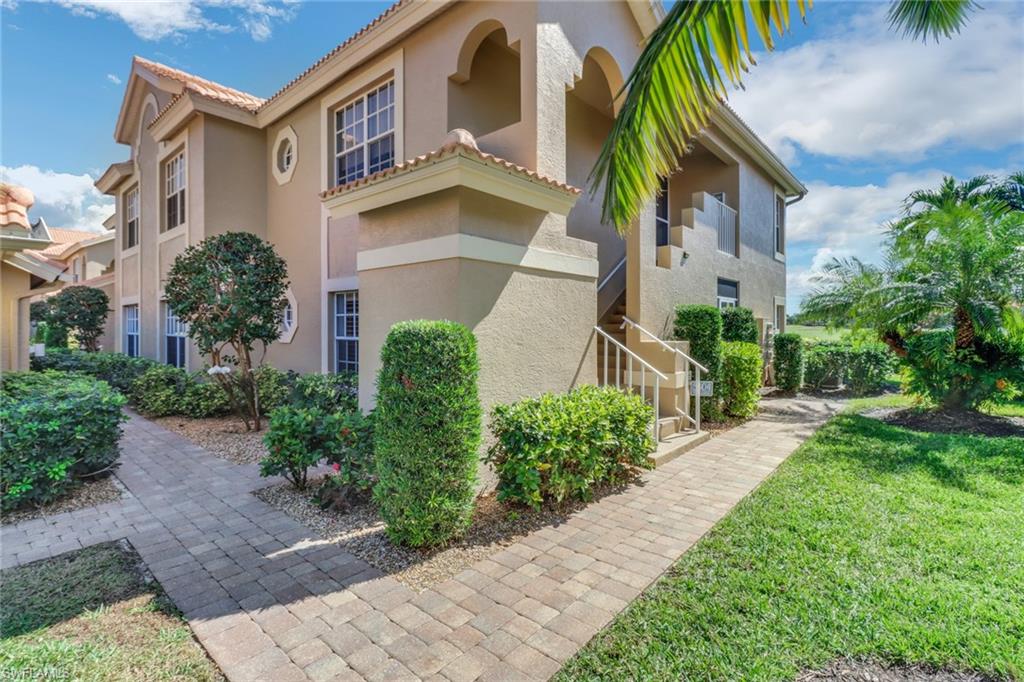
285	156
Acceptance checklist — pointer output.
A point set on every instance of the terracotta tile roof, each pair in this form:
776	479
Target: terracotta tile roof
204	87
348	41
14	204
455	145
64	239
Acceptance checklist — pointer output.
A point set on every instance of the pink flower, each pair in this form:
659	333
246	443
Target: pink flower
337	467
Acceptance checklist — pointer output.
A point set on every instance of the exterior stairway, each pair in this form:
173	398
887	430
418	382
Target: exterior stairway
674	432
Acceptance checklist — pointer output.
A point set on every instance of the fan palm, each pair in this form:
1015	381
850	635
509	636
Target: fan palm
680	78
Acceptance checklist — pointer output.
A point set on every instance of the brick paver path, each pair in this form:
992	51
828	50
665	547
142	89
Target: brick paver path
271	601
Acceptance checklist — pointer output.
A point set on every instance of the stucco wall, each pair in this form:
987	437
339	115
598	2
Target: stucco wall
762	278
14	285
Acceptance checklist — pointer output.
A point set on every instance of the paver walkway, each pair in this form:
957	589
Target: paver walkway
271	601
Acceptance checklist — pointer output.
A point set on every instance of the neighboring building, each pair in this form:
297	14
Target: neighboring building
486	227
86	259
21	269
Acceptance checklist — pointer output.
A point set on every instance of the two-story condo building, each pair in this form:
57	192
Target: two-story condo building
431	166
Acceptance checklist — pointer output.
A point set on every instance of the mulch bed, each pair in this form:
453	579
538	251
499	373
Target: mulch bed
88	494
869	671
224	437
959	422
361	532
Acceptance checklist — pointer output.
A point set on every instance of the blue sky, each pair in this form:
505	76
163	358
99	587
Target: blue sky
861	115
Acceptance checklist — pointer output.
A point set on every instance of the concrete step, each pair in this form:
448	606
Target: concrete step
673	446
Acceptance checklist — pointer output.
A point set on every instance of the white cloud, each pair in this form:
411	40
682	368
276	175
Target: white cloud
866	92
62	199
159	19
113	79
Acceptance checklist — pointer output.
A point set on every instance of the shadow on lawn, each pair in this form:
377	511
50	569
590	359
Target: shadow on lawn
953	460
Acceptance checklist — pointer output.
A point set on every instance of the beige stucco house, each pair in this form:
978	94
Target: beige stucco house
430	166
84	258
23	273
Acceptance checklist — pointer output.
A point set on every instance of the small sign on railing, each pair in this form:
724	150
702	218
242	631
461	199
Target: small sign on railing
707	388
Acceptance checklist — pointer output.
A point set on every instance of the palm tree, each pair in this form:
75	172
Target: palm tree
678	81
960	267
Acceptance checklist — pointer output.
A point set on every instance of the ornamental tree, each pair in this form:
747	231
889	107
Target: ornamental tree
81	310
230	291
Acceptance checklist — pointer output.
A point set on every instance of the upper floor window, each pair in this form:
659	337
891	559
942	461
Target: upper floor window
131	218
365	135
661	214
780	224
174	194
287	318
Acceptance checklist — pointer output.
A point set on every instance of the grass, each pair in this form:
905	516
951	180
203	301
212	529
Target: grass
1015	409
871	541
817	333
90	615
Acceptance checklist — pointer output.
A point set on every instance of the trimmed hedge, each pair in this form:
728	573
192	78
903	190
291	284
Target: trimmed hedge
55	429
117	369
741	378
789	361
560	446
738	325
160	391
329	392
701	325
862	368
427	431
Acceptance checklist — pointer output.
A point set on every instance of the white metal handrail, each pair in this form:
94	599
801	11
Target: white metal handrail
631	383
700	369
611	273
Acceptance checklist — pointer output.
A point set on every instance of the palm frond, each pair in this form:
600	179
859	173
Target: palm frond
677	82
924	19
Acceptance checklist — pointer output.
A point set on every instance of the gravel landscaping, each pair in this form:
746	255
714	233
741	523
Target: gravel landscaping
361	532
224	437
88	494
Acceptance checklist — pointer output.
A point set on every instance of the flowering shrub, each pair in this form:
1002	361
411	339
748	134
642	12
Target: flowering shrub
299	438
55	429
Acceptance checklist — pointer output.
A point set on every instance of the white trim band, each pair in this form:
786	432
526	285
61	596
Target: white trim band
472	247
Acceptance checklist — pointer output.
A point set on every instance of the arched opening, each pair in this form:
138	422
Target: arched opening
589	114
484	93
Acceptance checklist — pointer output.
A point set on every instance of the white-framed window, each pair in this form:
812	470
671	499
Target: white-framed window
285	156
728	293
661	226
130	315
780	316
174	191
346	331
287	318
131	218
175	333
780	224
364	131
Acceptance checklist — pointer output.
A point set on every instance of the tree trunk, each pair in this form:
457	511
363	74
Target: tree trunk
894	341
964	328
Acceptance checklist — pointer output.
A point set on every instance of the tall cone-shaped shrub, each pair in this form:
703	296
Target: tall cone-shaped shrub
427	431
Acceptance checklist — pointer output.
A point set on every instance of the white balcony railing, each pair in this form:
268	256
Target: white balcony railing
725	219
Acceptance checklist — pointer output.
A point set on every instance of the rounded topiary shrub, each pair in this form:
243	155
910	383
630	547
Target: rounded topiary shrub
789	362
427	431
738	325
741	378
161	391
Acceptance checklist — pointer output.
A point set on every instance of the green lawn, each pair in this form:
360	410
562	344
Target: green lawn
89	615
870	541
816	333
